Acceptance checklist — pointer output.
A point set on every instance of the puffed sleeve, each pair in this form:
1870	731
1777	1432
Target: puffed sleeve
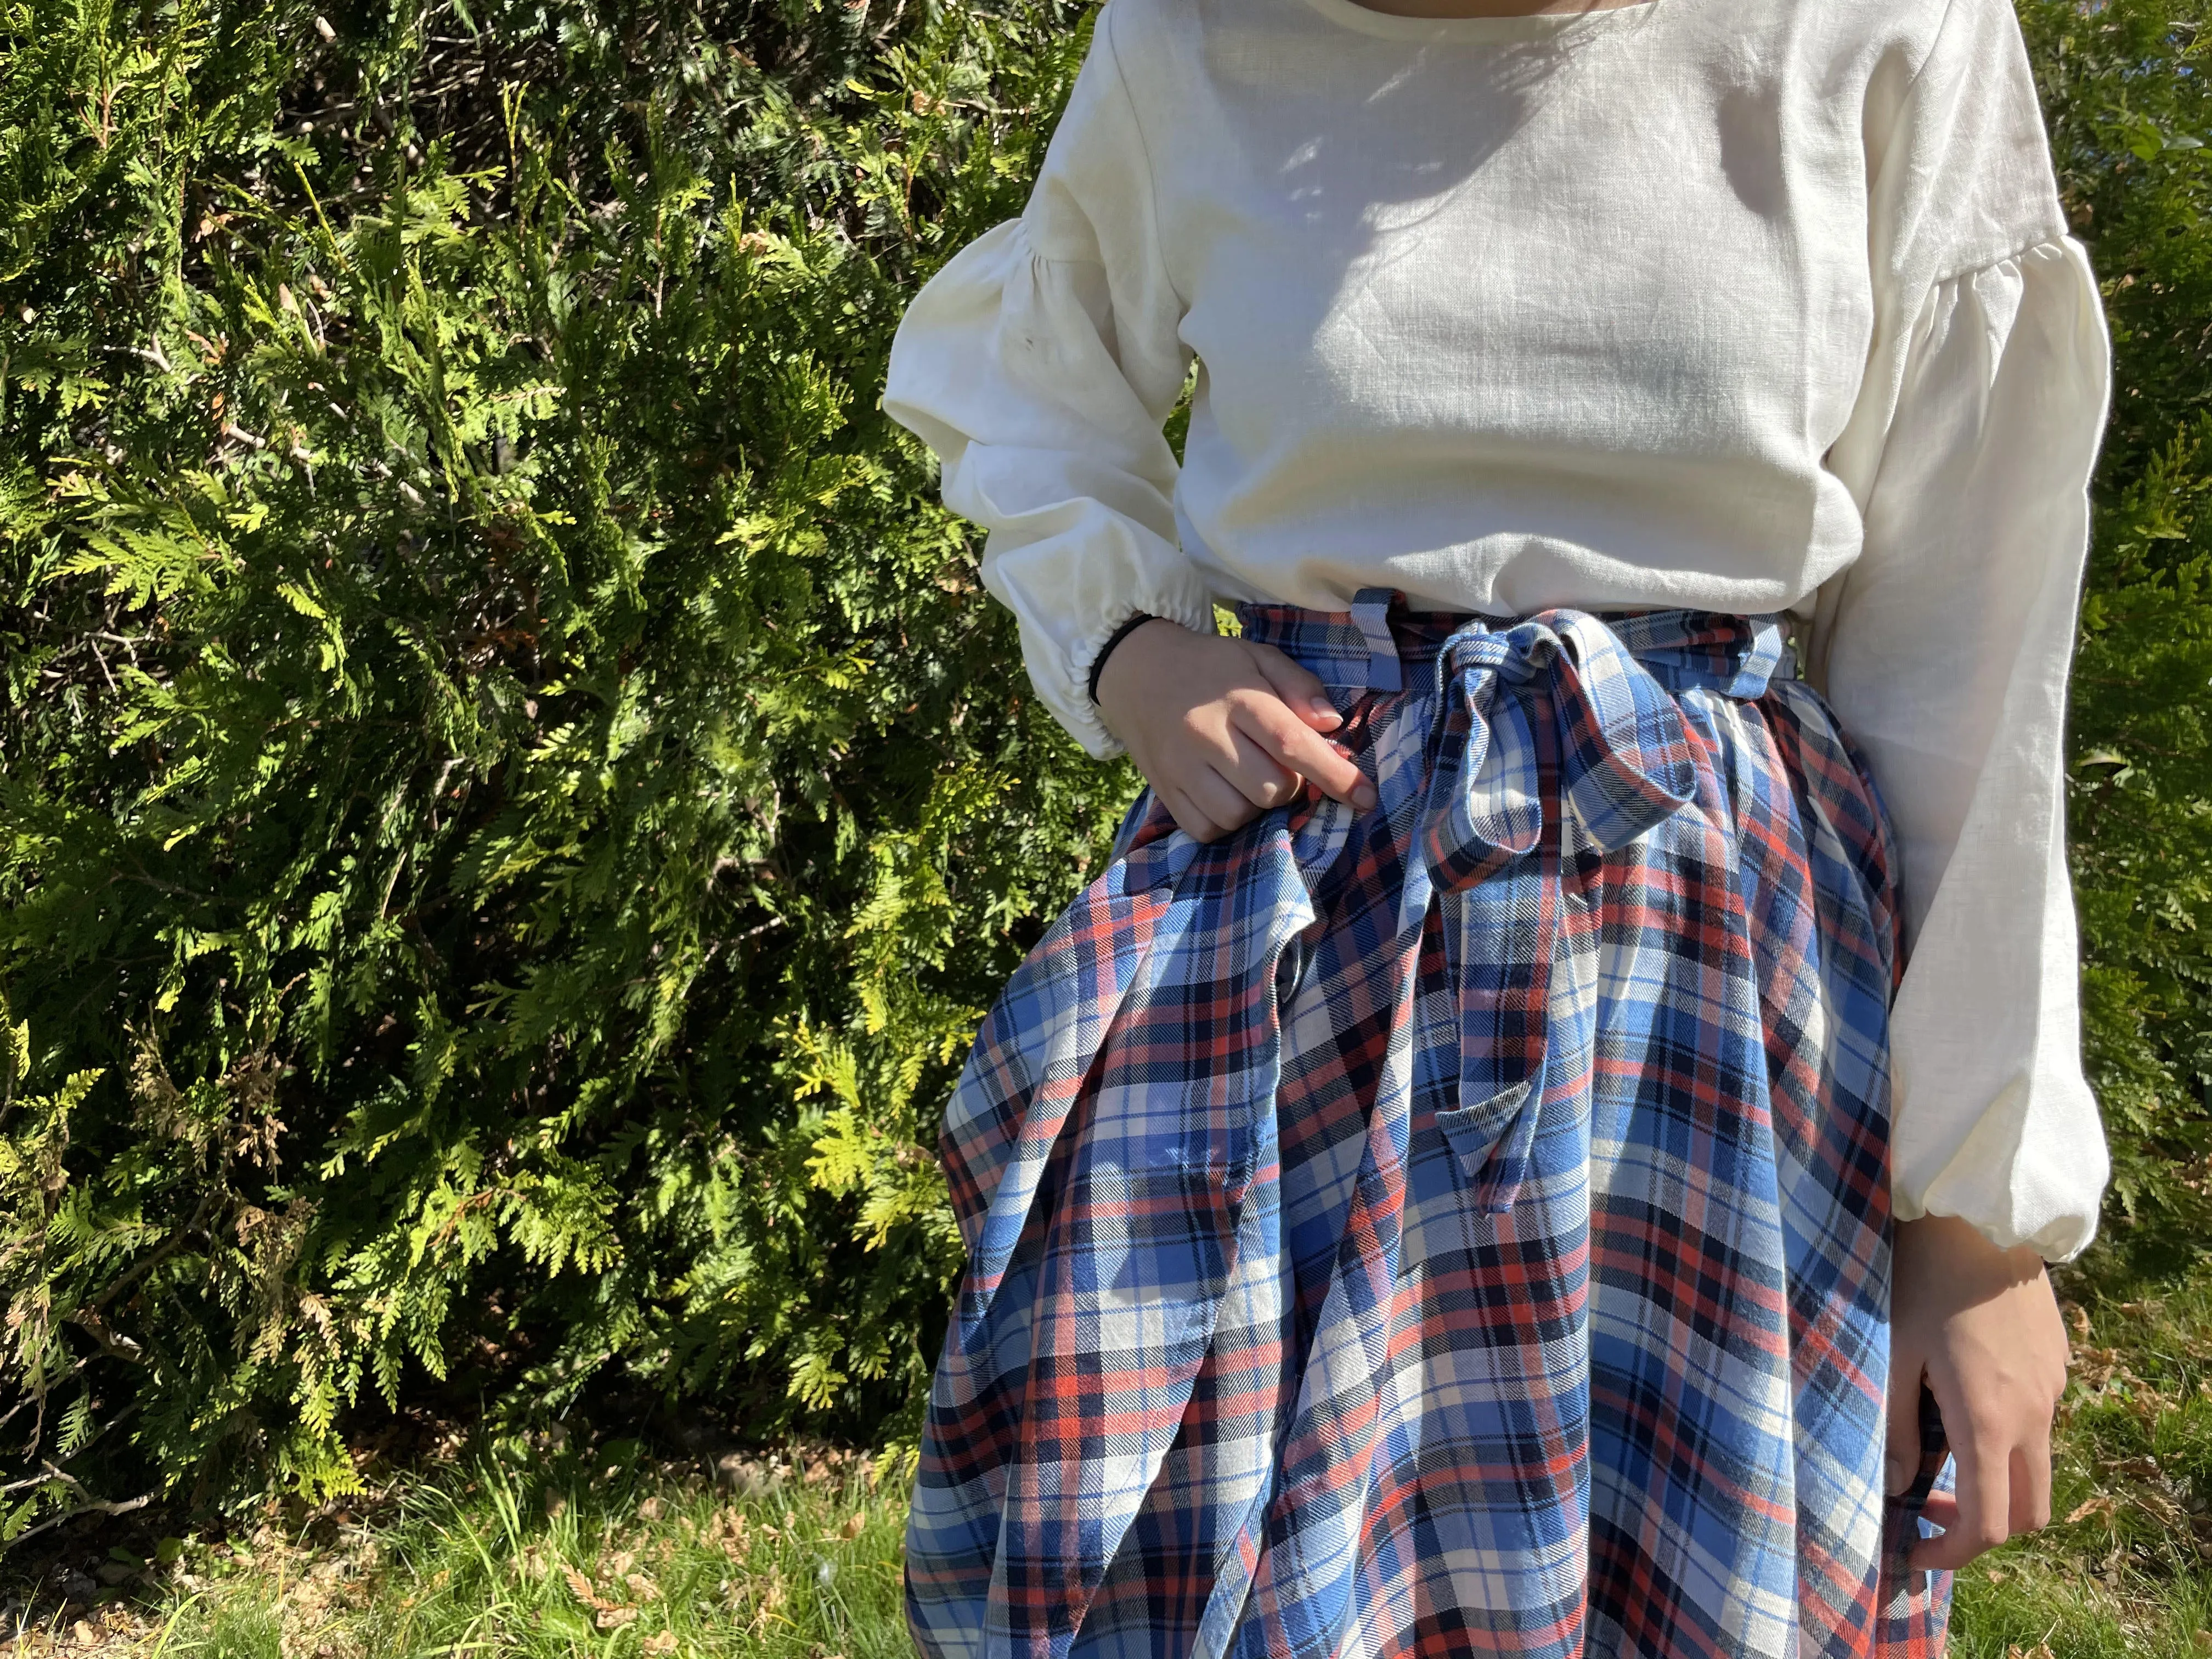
1040	364
1946	646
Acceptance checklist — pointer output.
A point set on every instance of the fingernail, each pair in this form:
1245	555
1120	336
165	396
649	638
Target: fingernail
1897	1477
1363	797
1324	709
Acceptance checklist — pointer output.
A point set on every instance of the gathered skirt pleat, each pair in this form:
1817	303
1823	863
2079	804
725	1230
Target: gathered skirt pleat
1457	1227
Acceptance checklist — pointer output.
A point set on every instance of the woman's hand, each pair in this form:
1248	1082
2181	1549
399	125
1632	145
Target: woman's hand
1223	729
1981	1324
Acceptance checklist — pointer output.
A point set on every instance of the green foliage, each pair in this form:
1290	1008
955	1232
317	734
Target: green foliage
2130	119
513	796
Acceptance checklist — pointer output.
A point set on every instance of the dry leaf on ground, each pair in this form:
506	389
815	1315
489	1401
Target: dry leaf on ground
591	1598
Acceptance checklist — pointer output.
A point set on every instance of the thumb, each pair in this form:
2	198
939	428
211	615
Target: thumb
1901	1455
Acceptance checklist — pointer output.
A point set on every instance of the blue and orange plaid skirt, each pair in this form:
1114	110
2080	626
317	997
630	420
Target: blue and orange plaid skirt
1459	1227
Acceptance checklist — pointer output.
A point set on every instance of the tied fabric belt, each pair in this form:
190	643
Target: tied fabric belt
1247	1105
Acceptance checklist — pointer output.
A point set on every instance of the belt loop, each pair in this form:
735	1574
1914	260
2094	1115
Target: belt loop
1370	610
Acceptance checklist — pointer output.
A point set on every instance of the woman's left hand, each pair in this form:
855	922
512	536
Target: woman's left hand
1982	1326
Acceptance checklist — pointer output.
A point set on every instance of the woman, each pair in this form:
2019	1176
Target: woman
1550	1126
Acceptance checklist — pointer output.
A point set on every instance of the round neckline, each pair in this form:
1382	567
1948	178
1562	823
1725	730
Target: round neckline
1539	25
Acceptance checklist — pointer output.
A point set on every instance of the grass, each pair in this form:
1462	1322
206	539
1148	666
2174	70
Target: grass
546	1556
784	1561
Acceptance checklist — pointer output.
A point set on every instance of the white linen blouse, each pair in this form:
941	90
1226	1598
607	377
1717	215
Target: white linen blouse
1745	305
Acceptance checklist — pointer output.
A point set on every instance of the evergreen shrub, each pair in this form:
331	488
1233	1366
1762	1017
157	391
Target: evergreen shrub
512	800
2130	117
515	799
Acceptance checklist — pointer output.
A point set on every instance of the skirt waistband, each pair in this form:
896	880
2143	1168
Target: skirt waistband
1375	645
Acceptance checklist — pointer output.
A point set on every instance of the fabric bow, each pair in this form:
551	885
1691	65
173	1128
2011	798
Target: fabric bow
1554	709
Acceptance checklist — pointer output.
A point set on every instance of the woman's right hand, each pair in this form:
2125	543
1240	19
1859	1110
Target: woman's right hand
1223	729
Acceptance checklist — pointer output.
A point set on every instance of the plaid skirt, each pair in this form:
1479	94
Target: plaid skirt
1458	1227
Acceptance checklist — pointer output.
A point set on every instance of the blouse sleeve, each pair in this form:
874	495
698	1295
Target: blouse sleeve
1946	644
1040	364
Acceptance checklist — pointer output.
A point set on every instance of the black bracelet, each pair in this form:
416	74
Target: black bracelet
1098	662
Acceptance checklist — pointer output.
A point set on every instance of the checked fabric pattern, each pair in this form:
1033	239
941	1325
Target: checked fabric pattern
1456	1228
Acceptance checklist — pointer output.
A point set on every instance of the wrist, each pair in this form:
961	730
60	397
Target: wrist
1114	641
1134	645
1968	1250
